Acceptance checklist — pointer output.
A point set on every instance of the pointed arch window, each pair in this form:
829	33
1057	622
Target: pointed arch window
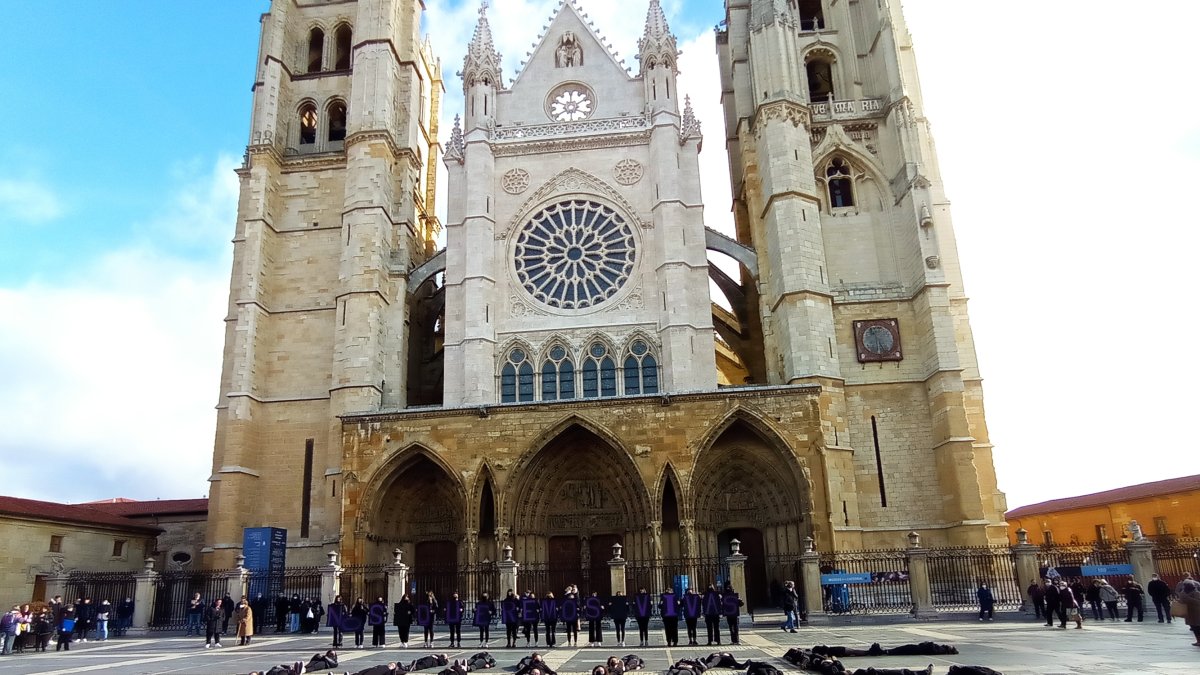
558	375
599	372
337	122
820	80
316	50
308	124
641	370
516	378
840	182
342	39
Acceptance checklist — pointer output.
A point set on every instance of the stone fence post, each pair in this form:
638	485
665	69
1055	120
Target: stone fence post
1025	560
810	564
918	578
144	594
397	578
616	570
737	569
236	578
331	579
508	571
1141	556
56	584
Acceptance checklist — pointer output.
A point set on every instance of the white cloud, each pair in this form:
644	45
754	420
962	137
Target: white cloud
112	374
28	201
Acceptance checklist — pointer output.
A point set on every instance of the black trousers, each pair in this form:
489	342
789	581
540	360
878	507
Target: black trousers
572	630
732	623
510	634
455	633
1112	609
713	623
671	630
485	632
691	629
1097	610
527	627
358	637
550	638
378	635
429	633
1051	610
1131	608
1163	607
1039	608
643	623
619	629
337	636
595	631
404	629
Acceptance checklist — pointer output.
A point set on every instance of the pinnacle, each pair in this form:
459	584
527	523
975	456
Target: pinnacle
656	23
481	41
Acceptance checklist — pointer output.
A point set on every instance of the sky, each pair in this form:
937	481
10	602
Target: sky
1067	139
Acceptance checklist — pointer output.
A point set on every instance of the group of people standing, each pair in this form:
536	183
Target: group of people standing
24	626
1068	599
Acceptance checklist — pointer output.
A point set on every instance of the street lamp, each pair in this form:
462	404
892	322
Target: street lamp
616	549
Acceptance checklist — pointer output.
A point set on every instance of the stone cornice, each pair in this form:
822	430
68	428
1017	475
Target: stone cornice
782	110
579	144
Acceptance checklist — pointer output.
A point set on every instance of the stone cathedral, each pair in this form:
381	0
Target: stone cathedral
558	377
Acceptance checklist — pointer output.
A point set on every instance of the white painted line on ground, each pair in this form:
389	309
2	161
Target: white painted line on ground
936	635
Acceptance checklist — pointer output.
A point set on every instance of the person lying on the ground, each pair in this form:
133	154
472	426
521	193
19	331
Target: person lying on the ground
973	670
723	660
480	661
456	668
812	662
633	662
922	649
296	668
389	669
322	662
894	671
687	667
428	661
761	668
534	662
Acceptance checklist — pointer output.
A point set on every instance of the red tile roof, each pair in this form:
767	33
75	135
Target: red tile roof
158	507
1125	494
68	513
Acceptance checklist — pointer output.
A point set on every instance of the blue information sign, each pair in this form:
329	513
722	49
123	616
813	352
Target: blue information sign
265	549
846	578
1106	570
681	584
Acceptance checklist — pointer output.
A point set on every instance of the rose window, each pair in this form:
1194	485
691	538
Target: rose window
571	105
574	254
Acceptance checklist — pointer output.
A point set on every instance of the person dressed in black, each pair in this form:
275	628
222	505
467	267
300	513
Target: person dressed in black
568	611
402	618
258	607
320	662
42	629
987	603
669	609
1054	604
483	619
294	613
429	661
281	614
534	664
1133	600
731	607
1037	596
213	617
712	614
377	617
85	615
359	615
618	611
1160	593
549	617
124	616
692	608
455	609
427	613
722	660
337	611
510	614
593	610
643	606
529	616
306	616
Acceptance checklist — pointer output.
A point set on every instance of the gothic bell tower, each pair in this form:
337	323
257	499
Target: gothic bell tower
336	208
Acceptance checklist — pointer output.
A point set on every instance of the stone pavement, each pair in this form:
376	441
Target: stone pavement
1011	647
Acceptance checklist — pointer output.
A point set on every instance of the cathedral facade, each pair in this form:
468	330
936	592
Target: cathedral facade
558	377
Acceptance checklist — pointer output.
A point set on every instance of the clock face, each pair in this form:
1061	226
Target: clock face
877	340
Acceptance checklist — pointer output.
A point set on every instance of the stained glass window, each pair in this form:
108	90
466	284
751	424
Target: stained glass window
641	370
516	378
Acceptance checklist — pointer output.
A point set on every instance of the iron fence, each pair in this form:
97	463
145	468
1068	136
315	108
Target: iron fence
99	586
175	591
955	575
364	581
1175	558
678	573
888	592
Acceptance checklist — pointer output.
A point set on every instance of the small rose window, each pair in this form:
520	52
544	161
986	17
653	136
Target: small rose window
571	102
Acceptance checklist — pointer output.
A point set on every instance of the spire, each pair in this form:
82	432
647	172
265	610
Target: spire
767	12
455	149
482	64
689	127
658	44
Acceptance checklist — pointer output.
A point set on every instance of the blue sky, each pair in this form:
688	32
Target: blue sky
117	203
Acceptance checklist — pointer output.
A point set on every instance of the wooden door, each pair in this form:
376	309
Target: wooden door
564	564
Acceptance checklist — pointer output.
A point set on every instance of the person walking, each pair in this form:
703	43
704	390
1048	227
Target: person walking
790	602
1037	596
1134	593
1054	603
213	617
1188	594
103	612
1109	596
1160	595
195	612
1069	606
245	622
987	603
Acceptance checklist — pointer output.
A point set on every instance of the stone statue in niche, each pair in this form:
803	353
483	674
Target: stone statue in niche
569	53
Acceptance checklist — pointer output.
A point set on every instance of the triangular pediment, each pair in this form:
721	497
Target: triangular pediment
571	44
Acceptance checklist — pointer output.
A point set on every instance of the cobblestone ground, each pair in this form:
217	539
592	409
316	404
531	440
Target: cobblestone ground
1012	647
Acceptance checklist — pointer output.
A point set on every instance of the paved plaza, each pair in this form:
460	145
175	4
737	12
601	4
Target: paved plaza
1013	647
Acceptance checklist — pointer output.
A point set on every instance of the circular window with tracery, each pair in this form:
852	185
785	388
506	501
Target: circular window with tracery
571	102
575	254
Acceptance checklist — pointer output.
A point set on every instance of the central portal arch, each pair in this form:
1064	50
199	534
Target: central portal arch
569	501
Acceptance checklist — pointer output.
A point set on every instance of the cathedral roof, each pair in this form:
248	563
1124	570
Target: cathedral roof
572	7
767	12
483	61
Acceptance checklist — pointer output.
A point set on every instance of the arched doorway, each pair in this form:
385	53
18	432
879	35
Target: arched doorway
568	503
748	485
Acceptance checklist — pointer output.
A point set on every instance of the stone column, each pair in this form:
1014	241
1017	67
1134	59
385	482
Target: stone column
144	592
616	570
918	578
236	578
508	572
1141	556
331	579
397	578
810	564
1026	563
737	568
56	584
